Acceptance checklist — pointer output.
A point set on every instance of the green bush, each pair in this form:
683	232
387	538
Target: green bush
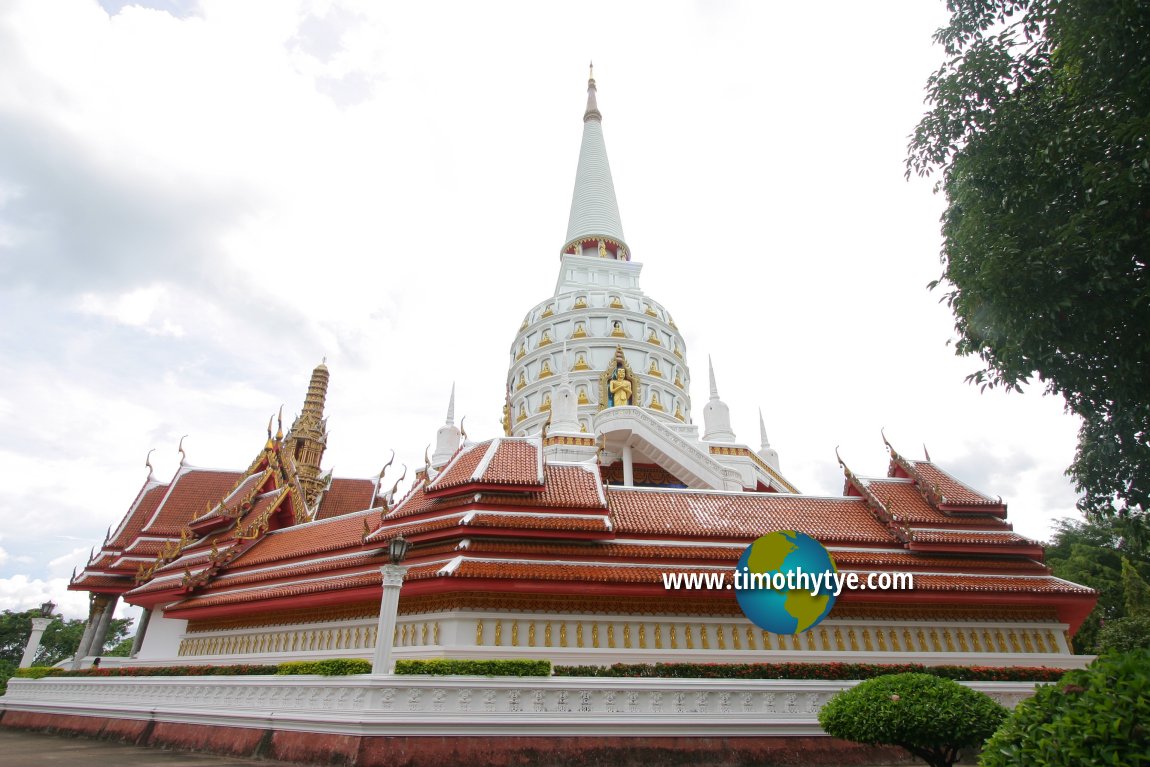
7	671
1124	634
931	717
828	671
327	667
1099	715
37	672
447	667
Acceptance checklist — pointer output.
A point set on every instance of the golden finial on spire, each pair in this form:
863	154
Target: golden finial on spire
280	424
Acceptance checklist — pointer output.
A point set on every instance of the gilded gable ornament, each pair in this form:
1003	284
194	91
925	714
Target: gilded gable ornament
618	385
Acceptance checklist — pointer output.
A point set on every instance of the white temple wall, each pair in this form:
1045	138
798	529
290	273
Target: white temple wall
162	640
596	639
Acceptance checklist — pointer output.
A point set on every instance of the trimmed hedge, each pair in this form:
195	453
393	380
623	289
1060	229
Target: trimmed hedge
241	669
830	671
329	667
448	667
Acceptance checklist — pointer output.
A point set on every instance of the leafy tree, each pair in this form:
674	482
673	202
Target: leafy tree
1103	555
1039	122
1098	715
1124	634
60	639
931	717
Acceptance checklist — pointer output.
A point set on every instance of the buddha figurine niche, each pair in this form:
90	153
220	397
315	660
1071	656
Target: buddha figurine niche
620	388
580	330
655	404
580	302
545	405
654	369
653	337
548	311
650	311
522	381
522	413
583	396
617	330
581	362
678	380
678	412
545	369
616	302
602	249
546	339
522	351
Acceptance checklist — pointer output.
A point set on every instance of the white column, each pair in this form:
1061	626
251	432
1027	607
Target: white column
38	626
628	467
388	608
100	637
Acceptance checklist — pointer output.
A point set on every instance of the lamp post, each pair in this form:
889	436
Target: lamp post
38	626
389	604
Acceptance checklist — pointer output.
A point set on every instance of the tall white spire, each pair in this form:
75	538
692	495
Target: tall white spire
716	414
769	455
447	438
594	210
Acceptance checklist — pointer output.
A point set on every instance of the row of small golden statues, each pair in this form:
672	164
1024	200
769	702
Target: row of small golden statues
581	364
581	332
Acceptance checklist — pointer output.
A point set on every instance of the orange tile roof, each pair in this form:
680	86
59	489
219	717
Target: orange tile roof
345	496
312	538
953	490
904	501
138	516
981	537
458	471
742	516
191	492
538	522
516	462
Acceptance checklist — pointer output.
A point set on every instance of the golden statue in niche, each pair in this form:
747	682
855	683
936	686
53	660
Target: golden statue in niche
580	330
522	381
545	369
583	396
617	384
545	405
546	339
522	352
522	413
655	404
580	302
581	362
616	302
654	369
653	337
620	388
602	249
678	380
678	412
649	310
548	311
617	330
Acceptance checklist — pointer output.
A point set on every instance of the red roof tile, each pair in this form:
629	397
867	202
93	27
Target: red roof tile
904	501
516	462
191	492
327	535
952	490
138	515
742	516
458	471
345	496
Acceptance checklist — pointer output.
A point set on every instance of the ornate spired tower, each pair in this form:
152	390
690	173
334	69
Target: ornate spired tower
598	319
307	438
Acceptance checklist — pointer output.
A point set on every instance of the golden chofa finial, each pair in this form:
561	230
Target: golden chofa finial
280	425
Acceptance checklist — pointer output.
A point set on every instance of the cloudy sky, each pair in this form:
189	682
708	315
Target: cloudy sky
200	200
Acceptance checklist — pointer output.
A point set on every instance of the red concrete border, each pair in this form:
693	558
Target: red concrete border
437	750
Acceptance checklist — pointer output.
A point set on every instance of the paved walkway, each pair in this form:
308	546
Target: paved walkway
20	748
